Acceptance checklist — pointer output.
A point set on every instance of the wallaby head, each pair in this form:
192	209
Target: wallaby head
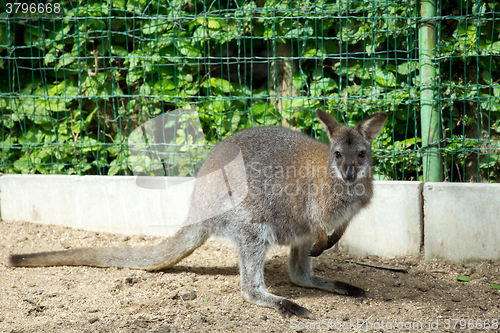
350	148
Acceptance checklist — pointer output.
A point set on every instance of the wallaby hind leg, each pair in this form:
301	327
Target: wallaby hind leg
253	288
300	266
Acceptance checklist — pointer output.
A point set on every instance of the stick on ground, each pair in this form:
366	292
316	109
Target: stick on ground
402	270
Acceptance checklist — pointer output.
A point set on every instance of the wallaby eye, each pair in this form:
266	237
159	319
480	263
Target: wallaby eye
338	154
361	154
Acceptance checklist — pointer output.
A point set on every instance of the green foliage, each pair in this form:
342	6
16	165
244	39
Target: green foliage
464	278
74	85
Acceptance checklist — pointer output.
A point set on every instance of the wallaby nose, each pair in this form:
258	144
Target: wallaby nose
350	174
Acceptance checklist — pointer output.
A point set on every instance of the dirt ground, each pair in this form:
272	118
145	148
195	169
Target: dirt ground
201	294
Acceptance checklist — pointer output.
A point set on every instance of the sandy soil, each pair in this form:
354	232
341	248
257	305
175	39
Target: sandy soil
201	294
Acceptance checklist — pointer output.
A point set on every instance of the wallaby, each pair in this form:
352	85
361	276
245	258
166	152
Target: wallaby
299	190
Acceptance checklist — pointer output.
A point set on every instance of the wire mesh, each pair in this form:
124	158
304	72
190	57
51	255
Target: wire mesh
77	77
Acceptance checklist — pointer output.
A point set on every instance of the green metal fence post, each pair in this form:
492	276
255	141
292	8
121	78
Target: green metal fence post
429	115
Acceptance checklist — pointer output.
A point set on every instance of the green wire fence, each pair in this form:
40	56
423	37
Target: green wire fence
77	77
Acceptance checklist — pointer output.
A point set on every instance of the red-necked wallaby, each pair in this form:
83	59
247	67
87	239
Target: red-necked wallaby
298	191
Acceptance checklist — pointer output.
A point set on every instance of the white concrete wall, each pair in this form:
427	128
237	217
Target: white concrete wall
96	203
462	221
391	225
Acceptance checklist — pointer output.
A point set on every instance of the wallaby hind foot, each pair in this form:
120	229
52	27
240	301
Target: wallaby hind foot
300	269
253	288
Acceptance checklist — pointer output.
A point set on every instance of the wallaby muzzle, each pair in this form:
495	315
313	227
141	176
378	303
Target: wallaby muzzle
349	173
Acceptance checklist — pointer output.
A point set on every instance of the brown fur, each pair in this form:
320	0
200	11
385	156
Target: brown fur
288	189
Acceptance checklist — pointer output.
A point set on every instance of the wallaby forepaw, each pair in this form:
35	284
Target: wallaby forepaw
350	290
323	245
288	308
316	250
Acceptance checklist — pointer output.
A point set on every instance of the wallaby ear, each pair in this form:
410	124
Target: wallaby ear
328	122
372	125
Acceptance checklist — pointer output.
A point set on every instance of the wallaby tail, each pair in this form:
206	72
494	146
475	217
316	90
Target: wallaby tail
166	254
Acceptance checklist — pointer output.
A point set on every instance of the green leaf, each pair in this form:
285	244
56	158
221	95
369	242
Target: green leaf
150	28
89	117
313	52
298	103
165	84
371	48
385	78
242	89
297	80
8	143
133	76
145	89
495	47
213	24
200	34
495	286
300	32
463	278
488	161
220	106
55	105
490	103
379	176
114	169
170	53
50	57
221	84
270	120
64	89
187	49
119	51
233	123
324	84
496	90
32	37
119	4
407	67
65	59
259	109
